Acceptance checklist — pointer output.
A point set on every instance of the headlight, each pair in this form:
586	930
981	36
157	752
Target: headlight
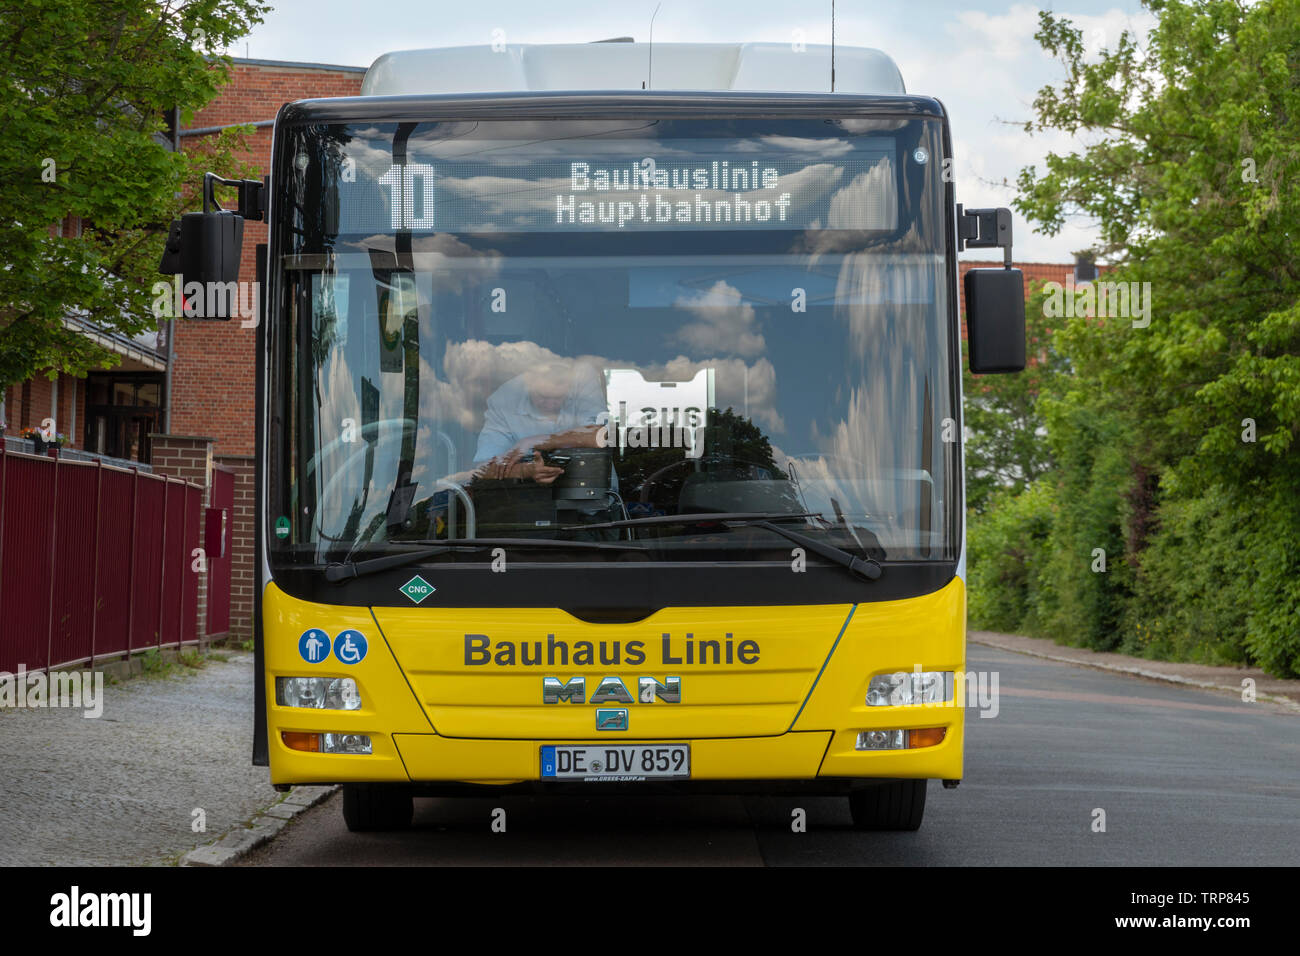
345	744
922	687
882	740
320	693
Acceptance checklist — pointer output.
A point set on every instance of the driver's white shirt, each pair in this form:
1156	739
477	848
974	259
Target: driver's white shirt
511	416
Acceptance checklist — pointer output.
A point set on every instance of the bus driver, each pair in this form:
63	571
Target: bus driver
560	404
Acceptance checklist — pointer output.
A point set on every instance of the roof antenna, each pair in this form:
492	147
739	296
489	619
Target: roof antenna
832	46
651	64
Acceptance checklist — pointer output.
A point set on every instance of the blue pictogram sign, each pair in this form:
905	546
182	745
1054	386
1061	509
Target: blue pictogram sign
350	647
314	645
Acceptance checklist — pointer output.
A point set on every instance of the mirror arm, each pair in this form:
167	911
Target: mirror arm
252	196
980	228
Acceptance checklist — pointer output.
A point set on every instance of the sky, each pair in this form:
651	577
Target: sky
979	58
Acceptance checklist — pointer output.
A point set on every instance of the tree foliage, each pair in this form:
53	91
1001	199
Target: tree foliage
1007	558
1193	183
1175	443
1005	447
85	88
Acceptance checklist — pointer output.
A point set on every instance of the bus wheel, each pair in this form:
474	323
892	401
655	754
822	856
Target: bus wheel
895	805
376	806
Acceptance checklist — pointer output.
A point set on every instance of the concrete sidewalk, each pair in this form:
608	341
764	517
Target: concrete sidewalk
124	788
1282	692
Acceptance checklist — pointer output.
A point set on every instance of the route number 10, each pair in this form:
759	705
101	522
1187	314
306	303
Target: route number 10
402	180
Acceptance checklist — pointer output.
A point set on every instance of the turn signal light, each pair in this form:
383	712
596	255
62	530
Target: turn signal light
925	737
299	741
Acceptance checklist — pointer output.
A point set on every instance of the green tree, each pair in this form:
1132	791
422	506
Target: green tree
1193	183
1176	428
1008	549
1005	447
85	88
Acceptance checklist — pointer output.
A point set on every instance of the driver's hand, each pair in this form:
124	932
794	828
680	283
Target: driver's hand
511	466
540	471
503	466
536	442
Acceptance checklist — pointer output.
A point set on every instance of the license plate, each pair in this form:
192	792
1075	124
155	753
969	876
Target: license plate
616	762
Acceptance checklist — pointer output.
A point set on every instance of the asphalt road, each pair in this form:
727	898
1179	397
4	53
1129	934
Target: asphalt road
1185	777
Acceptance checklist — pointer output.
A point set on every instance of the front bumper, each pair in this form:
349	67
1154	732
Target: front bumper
816	743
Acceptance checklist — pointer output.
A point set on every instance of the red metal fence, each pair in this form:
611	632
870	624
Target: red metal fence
95	561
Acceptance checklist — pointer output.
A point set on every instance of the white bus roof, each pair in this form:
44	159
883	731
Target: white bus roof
755	67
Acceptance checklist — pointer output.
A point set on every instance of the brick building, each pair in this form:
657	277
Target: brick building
201	383
112	413
186	406
212	364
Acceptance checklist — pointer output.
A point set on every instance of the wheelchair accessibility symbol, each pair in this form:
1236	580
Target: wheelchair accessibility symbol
350	647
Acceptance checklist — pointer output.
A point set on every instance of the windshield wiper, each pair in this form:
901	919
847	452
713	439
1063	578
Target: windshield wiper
863	567
355	569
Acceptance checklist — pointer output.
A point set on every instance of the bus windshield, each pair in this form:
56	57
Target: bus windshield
547	329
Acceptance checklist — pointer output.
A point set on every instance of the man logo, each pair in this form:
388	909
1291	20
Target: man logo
611	719
611	690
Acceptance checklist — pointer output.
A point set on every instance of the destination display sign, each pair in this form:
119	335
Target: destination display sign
664	189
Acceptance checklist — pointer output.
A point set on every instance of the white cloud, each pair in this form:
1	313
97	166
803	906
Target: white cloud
725	322
1002	36
979	58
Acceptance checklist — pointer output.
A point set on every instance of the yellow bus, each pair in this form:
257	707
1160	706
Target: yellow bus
610	428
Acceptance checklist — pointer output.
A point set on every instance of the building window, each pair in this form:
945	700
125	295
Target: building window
122	411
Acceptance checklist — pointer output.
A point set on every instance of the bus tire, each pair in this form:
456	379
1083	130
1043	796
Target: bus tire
376	806
895	805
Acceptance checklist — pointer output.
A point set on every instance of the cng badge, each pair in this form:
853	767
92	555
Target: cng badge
417	589
611	718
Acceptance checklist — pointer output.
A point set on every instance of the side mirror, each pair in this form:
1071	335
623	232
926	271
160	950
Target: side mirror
995	298
205	248
995	320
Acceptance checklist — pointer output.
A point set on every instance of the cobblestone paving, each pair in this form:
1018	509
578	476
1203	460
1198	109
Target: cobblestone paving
121	789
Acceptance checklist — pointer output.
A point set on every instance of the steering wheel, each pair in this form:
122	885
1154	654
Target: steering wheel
371	436
662	476
439	484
